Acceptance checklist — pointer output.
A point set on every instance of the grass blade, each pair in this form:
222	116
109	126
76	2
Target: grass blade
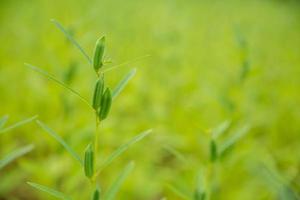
3	120
233	139
199	193
72	40
14	155
176	153
20	123
112	191
62	84
122	149
121	85
107	69
220	129
179	192
50	191
60	140
276	181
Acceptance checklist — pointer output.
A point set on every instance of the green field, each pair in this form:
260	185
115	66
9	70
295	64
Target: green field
204	68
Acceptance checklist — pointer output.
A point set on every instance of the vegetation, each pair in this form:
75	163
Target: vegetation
217	81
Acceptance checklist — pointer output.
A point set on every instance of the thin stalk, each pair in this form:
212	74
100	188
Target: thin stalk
212	179
107	69
208	181
97	124
96	136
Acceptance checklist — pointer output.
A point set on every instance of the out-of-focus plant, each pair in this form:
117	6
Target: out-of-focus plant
19	151
207	176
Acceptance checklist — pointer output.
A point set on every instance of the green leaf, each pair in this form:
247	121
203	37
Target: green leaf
20	123
233	139
179	192
3	120
72	40
112	191
175	152
122	148
276	181
50	191
60	140
199	193
97	194
107	69
221	129
14	155
62	84
121	85
240	38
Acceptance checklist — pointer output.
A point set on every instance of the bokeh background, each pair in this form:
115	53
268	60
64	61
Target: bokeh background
210	61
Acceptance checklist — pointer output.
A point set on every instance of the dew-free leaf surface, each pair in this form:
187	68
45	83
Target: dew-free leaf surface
122	149
122	84
112	191
50	191
59	139
14	155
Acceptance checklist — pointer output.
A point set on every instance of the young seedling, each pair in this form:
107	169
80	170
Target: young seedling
101	103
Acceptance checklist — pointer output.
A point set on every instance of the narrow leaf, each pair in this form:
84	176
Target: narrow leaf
112	191
121	85
72	40
20	123
240	38
277	182
50	191
3	120
233	139
107	69
97	194
176	153
178	192
14	155
221	129
62	84
122	149
60	140
199	193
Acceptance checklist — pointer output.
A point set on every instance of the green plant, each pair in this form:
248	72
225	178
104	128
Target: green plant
243	54
19	151
102	100
207	182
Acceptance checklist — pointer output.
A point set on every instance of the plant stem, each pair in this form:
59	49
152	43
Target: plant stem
212	180
96	136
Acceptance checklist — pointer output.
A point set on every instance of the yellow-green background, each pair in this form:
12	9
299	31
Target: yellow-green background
190	83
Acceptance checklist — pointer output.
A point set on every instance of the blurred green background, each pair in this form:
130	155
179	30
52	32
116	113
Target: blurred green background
210	61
